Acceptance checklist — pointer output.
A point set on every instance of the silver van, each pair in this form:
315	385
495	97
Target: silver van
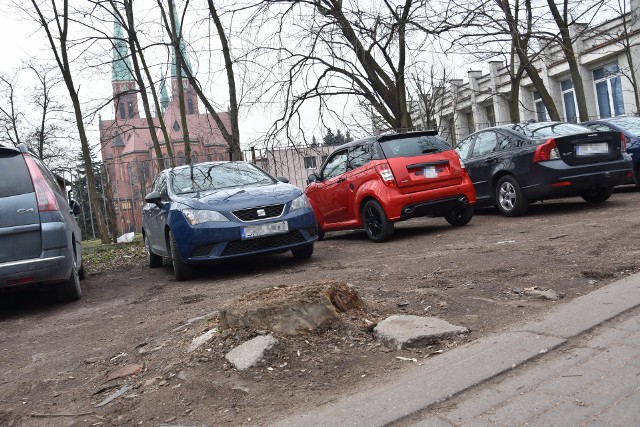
40	241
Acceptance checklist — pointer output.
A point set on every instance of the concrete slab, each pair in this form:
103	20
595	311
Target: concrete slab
248	354
402	331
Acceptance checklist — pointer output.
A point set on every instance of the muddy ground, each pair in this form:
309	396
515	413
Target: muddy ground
55	361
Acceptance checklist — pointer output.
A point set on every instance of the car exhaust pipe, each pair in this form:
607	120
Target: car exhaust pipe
407	211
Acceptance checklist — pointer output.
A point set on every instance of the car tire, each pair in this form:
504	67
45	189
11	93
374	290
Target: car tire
636	175
302	252
376	225
320	233
181	270
459	216
70	290
510	200
153	260
82	273
598	195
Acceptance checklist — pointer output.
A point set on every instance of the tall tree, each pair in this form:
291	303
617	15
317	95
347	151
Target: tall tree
10	115
56	28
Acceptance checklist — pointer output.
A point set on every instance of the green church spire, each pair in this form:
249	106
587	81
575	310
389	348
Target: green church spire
164	95
121	63
183	50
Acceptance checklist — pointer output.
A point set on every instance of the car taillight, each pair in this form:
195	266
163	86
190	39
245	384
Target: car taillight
546	151
624	141
386	174
44	193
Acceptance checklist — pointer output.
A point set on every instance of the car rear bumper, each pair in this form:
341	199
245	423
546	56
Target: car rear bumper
49	270
429	203
205	245
557	179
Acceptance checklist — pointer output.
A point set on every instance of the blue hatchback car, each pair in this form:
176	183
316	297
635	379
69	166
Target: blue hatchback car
629	126
218	211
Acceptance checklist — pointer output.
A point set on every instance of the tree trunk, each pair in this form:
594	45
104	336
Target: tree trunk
232	139
569	53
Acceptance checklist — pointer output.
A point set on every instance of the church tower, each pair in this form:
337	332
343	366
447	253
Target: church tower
190	97
125	91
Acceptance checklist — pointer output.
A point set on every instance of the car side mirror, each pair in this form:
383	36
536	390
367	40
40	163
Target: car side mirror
283	179
154	197
312	178
75	207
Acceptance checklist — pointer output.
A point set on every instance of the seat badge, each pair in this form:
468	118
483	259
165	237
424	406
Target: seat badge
261	212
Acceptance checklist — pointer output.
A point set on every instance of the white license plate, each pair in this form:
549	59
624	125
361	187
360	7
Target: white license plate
430	172
265	229
589	149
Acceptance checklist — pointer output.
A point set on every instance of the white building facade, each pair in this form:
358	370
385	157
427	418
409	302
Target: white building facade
604	66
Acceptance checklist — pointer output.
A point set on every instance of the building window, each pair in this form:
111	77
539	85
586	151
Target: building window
180	159
189	106
123	113
541	110
608	90
491	114
310	162
569	100
130	108
176	126
471	127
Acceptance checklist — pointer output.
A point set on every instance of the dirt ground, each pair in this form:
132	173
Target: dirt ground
56	361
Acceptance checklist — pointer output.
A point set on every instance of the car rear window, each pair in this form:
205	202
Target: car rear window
14	175
549	129
414	146
629	124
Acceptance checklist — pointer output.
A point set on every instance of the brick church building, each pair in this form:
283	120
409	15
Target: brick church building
126	144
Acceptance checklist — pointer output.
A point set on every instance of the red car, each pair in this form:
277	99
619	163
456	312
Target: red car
374	182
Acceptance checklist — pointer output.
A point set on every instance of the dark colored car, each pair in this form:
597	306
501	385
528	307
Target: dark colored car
40	241
374	182
221	211
629	126
514	165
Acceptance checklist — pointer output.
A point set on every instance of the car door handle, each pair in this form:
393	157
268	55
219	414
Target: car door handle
491	160
340	180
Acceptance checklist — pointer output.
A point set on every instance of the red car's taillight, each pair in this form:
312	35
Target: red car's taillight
44	194
384	170
546	151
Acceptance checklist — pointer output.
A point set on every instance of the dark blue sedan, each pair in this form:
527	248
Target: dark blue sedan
223	210
629	126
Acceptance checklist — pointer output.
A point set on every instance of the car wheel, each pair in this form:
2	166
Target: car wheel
598	195
302	252
70	289
82	273
376	225
153	260
509	198
459	216
181	270
636	175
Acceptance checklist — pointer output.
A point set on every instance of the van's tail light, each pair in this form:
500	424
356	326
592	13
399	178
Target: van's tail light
624	142
44	194
546	151
384	170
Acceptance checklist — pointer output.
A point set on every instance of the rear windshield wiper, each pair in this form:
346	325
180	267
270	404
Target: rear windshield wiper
430	150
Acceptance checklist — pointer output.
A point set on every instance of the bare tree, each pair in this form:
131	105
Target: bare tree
331	48
54	22
10	115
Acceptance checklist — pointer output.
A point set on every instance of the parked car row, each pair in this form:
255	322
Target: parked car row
220	211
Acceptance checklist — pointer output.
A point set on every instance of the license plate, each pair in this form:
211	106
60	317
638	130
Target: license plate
265	229
430	172
589	149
